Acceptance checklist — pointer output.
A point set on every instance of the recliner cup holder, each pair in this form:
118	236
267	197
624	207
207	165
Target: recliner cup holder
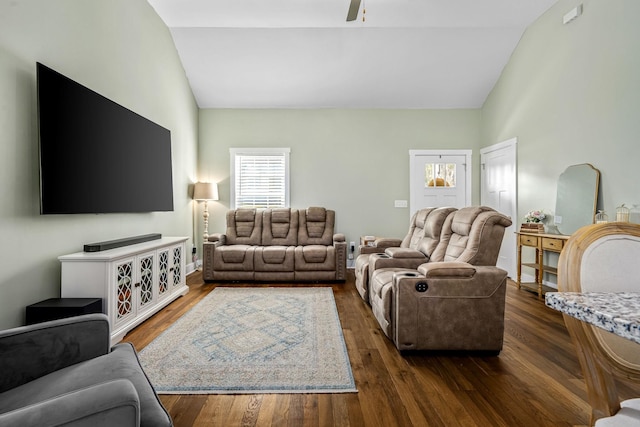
384	256
410	274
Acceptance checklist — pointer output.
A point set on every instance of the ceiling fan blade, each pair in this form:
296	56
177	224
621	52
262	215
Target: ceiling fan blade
354	7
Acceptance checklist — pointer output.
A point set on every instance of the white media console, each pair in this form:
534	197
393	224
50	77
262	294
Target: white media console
133	281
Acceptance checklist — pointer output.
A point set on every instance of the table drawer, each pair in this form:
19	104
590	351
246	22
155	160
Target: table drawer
552	244
529	240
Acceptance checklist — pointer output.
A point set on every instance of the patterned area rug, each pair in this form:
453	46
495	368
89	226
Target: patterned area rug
253	340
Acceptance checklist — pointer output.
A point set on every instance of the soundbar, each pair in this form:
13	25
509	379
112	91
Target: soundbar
111	244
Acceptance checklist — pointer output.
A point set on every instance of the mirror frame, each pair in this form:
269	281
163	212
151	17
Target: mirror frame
577	197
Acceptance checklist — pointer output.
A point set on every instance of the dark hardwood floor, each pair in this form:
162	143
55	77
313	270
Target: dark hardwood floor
535	381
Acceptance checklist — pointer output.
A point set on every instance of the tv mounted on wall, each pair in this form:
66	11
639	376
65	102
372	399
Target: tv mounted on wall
97	156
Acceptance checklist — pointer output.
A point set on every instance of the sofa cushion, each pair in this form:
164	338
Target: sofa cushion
314	253
472	234
316	226
280	227
244	227
416	228
234	253
274	259
433	230
121	362
273	254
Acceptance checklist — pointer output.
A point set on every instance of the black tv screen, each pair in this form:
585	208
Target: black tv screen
97	156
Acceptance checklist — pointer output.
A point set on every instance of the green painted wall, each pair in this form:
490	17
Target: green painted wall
121	49
353	161
571	94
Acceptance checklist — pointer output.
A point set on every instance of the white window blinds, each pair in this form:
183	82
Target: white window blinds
260	178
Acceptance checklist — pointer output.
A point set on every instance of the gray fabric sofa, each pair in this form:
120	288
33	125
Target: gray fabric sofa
280	244
63	372
440	290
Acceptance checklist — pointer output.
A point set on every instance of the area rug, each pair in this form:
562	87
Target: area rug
253	340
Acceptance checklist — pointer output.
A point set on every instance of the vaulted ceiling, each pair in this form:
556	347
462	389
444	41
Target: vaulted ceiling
303	53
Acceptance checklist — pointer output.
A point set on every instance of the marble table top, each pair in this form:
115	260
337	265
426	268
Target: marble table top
615	312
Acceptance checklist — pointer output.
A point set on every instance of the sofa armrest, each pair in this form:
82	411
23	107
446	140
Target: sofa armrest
218	238
397	258
400	253
340	245
112	403
450	269
387	242
457	307
32	351
379	245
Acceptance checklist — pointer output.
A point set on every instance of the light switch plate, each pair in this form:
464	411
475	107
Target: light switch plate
401	204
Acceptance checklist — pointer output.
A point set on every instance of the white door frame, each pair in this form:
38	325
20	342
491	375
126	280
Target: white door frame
415	153
508	144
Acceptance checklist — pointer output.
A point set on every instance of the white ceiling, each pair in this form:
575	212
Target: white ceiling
303	53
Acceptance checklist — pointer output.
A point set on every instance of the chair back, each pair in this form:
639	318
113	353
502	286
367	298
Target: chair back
316	225
244	227
416	228
472	234
280	227
602	258
433	227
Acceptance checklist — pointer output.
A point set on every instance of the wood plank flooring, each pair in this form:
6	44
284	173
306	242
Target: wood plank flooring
535	381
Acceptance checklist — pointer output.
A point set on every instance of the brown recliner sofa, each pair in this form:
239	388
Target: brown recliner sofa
453	299
279	244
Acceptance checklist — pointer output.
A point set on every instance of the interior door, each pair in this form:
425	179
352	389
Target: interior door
439	178
498	190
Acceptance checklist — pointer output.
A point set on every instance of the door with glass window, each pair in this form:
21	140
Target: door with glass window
439	178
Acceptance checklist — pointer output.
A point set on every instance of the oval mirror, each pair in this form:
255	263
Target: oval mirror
576	198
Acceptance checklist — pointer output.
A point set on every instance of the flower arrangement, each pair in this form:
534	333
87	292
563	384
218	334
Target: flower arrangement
535	216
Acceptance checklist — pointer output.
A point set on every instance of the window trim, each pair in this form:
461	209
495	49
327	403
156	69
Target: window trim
252	151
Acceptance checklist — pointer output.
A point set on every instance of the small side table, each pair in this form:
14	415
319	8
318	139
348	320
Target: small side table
59	308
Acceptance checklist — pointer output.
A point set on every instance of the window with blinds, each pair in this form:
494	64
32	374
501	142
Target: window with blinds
260	178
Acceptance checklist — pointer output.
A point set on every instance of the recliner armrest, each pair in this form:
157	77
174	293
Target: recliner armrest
386	242
366	250
401	253
30	352
218	237
396	258
447	269
112	403
338	237
465	302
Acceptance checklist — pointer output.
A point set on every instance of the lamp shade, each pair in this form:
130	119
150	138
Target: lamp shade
205	191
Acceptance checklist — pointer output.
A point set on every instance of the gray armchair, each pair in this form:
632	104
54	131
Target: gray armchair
63	372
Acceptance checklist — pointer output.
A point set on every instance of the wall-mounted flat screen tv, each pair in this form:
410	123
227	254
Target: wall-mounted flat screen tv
97	156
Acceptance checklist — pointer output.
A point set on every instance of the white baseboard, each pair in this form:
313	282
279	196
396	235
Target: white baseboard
191	267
